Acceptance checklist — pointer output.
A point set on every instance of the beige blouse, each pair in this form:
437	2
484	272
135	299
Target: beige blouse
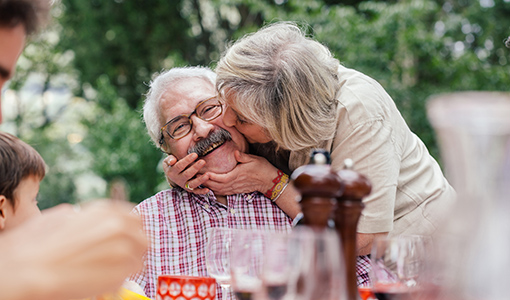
409	195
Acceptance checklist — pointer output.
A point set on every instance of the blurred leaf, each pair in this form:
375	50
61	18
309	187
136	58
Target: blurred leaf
121	146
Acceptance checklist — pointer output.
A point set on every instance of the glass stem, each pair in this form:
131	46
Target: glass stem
224	292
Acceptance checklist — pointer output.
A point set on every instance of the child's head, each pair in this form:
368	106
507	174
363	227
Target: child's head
21	170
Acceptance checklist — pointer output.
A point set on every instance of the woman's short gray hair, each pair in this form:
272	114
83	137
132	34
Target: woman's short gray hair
284	81
161	84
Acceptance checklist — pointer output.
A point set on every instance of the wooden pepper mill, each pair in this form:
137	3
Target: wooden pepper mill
347	213
320	187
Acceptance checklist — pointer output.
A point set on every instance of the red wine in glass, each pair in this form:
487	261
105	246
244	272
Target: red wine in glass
244	295
393	295
395	292
276	291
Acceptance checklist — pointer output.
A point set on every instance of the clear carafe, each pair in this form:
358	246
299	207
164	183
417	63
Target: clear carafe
473	130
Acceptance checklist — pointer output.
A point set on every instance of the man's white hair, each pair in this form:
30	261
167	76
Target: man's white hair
163	83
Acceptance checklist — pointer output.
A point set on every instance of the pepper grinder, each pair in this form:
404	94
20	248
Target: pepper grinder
346	215
320	187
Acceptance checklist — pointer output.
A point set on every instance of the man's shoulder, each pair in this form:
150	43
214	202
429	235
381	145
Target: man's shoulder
164	198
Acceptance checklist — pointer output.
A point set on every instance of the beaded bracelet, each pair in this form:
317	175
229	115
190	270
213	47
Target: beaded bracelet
280	183
281	192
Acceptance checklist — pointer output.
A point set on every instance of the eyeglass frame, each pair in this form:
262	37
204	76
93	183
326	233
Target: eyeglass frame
188	116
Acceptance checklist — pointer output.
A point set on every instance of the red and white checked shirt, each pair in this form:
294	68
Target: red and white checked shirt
176	223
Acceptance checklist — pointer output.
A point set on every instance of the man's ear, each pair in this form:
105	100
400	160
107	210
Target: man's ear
165	149
3	204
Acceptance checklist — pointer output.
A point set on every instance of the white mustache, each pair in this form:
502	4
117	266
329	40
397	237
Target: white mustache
219	136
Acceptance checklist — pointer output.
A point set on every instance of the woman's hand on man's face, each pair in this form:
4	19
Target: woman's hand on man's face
184	172
252	173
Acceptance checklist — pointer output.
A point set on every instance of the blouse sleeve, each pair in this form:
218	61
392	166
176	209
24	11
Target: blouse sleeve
369	144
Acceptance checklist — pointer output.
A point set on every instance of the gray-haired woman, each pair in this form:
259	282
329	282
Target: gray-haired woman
287	94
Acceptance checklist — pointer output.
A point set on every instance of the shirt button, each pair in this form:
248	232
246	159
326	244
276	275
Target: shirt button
206	206
232	211
249	197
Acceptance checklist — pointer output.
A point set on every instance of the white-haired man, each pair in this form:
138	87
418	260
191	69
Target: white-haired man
183	115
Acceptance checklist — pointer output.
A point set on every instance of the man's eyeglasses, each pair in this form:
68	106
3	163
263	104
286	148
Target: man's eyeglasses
177	128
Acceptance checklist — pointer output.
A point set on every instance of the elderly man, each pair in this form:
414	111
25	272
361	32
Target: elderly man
183	115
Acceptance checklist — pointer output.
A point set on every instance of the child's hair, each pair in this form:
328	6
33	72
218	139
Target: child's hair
18	160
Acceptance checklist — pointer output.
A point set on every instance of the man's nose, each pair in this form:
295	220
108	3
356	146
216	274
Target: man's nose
201	128
229	117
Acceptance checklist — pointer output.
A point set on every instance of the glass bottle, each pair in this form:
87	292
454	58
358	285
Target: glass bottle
473	130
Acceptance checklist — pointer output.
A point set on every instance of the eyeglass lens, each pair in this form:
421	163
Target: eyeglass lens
207	111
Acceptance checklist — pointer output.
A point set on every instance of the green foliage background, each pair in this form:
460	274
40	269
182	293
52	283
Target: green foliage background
107	51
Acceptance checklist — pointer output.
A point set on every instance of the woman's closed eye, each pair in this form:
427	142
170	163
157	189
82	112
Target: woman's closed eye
240	119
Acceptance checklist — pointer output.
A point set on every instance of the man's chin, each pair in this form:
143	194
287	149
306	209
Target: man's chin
219	163
218	168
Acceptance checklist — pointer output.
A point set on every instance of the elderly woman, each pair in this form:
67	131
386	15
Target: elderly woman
287	94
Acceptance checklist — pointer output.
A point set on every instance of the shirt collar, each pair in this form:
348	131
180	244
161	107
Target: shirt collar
209	199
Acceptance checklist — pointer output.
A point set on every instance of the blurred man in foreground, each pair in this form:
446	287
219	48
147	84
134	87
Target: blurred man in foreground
64	253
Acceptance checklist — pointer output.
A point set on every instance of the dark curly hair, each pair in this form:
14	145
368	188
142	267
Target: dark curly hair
32	14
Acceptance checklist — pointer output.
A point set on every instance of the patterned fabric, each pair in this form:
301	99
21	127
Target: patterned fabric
363	268
176	223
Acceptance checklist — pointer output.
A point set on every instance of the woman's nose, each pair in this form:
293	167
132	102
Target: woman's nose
229	117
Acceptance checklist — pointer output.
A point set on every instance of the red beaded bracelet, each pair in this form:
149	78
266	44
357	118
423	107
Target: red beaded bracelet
280	182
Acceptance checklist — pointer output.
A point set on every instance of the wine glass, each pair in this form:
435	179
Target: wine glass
318	271
398	267
246	261
217	257
280	260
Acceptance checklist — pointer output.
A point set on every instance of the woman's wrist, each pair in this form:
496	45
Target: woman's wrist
288	201
279	183
280	192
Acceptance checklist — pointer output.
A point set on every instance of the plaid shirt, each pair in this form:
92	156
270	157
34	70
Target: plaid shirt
363	268
176	223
